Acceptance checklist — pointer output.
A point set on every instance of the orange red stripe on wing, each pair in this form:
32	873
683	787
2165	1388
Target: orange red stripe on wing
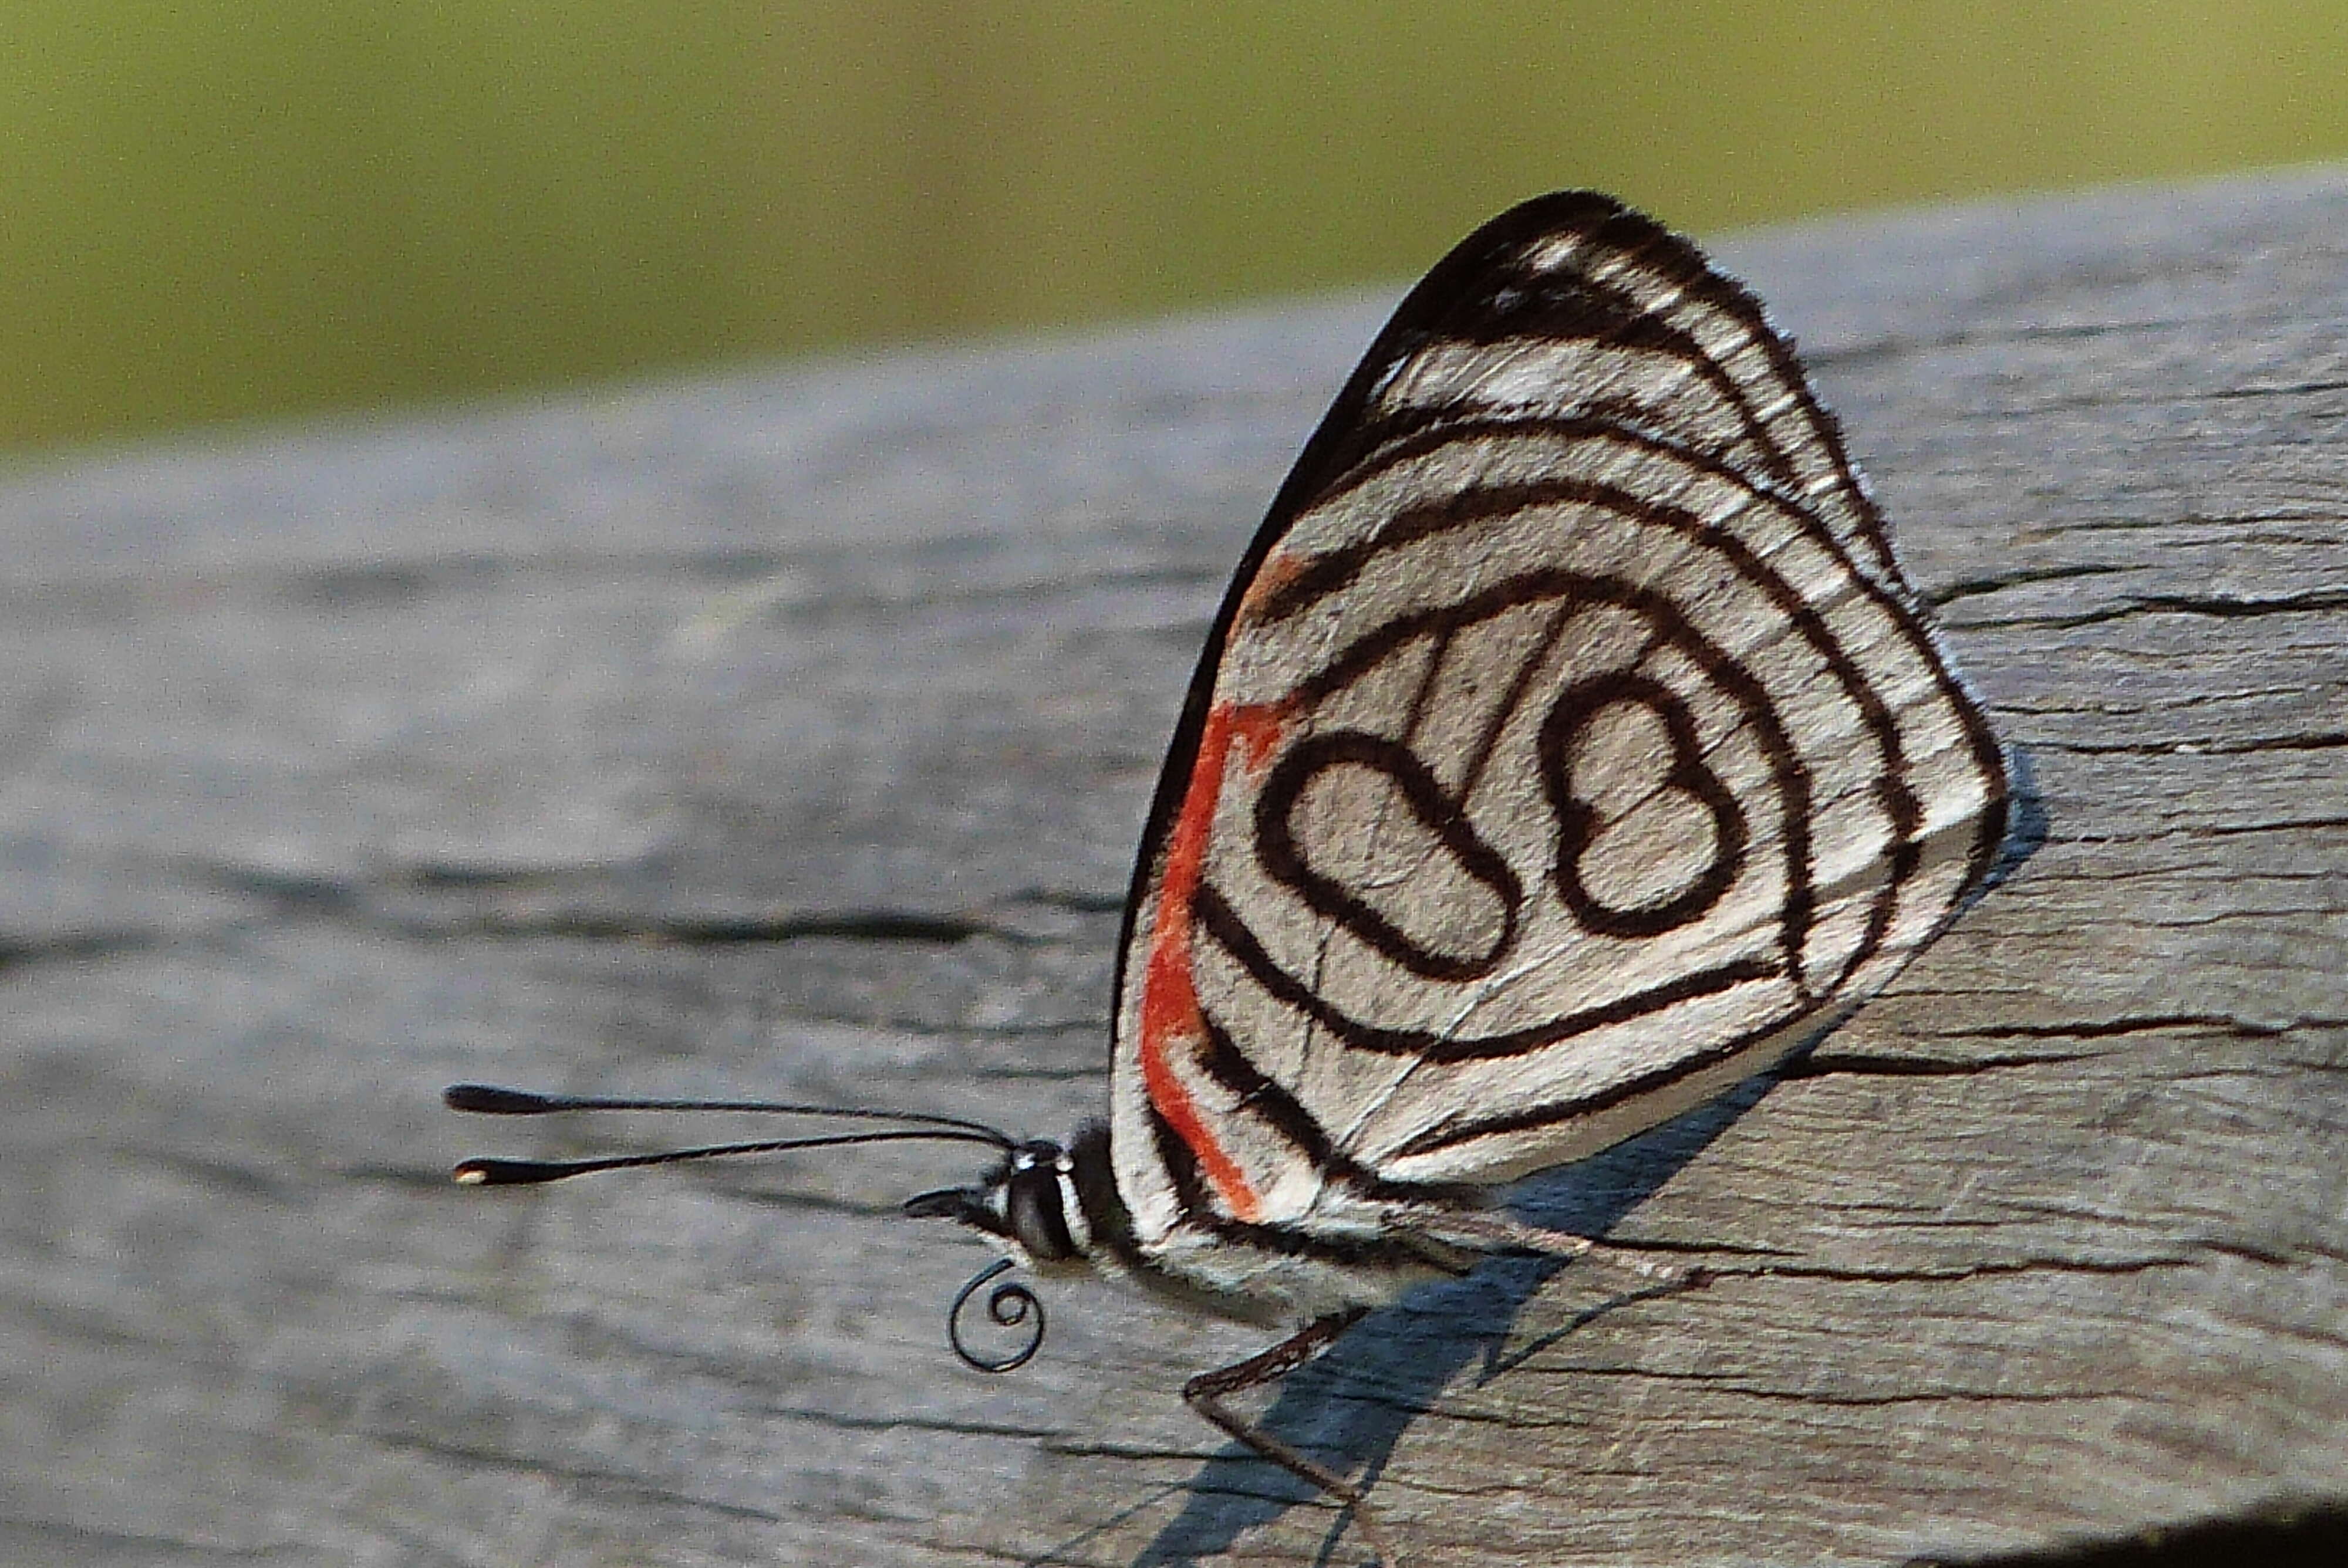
1170	1014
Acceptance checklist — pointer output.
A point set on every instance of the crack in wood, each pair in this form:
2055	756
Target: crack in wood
348	899
2316	740
616	1482
2145	1023
2206	605
2120	1267
1975	587
900	1422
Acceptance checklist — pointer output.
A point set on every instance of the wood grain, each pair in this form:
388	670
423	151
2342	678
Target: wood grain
790	734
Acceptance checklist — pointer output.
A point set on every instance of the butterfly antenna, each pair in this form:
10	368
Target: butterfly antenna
489	1099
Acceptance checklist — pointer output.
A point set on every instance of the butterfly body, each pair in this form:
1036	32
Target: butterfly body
1059	1212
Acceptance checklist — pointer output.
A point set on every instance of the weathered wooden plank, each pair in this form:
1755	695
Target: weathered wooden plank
790	734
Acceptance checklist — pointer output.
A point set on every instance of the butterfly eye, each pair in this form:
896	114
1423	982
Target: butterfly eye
1037	1219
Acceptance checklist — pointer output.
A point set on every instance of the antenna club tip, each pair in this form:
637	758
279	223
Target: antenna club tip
487	1099
469	1174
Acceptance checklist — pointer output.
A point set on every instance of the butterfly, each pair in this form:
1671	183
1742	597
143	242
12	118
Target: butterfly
1568	747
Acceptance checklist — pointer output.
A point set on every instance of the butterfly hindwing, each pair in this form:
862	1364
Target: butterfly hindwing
1568	746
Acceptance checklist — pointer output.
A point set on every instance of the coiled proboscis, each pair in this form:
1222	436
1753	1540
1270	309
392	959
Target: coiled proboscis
1009	1306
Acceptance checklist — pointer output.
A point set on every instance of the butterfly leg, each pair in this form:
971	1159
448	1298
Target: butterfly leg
1494	1233
1206	1393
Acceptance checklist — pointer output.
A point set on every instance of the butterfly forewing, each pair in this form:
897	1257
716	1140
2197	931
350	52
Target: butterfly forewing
1568	746
1572	306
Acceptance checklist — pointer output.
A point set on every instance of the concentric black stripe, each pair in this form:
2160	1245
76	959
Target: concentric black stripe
1895	794
1455	1130
1567	306
1512	699
1677	265
1578	820
1181	1167
1789	772
1283	1114
1222	924
1333	571
1381	1253
1581	311
1338	569
1278	845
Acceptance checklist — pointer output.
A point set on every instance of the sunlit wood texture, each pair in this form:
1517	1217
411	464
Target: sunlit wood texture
790	734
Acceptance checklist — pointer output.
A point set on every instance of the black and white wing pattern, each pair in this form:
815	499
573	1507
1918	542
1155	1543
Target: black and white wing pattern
1568	747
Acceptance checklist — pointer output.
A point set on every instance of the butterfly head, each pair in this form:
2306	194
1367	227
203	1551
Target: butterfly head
1029	1206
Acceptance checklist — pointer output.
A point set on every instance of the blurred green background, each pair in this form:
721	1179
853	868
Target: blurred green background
266	207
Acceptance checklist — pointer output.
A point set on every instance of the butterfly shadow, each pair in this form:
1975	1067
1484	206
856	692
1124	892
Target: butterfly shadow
1349	1407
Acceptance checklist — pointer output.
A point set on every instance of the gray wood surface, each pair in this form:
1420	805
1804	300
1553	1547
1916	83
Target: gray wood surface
790	734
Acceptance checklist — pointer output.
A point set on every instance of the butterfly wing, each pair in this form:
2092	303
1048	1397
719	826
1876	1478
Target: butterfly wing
1568	747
